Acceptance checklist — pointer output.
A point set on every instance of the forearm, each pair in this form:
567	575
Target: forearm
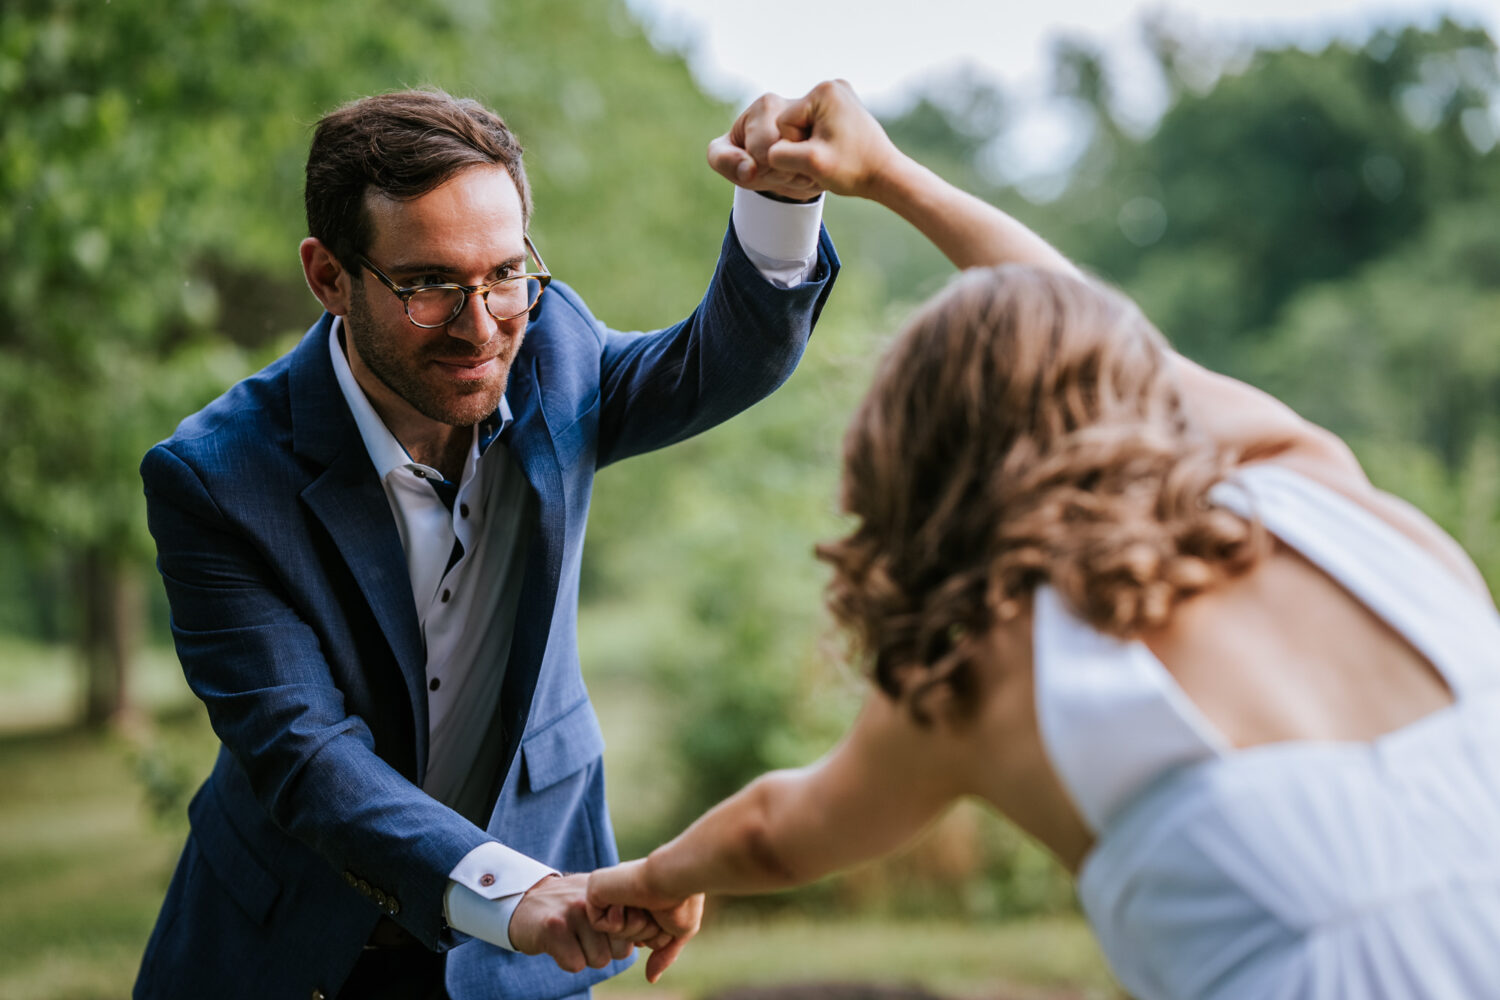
305	763
737	847
368	823
968	230
741	343
872	793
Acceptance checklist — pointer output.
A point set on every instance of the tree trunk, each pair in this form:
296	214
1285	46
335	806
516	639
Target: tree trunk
111	600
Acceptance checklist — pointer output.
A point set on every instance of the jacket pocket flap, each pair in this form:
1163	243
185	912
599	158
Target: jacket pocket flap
231	860
562	747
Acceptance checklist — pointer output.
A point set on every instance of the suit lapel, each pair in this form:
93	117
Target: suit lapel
358	519
347	499
530	443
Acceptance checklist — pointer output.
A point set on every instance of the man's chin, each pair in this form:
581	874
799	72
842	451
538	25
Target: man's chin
470	408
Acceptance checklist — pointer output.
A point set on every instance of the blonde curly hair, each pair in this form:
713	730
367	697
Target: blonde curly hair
1025	428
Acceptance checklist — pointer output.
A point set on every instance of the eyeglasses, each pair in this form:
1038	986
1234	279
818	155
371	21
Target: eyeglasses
432	306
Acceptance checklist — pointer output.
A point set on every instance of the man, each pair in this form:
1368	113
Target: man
371	549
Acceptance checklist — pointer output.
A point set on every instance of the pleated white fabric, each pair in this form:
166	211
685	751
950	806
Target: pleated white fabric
1290	871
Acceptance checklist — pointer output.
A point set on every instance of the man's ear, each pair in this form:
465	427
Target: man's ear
328	279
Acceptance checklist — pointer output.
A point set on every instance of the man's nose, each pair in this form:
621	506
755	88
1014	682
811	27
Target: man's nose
474	322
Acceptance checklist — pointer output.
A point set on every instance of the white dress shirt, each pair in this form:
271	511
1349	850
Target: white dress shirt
466	565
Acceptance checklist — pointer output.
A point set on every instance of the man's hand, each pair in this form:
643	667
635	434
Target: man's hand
824	141
553	919
613	893
741	153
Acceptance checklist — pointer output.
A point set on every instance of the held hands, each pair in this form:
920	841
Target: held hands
553	919
824	141
614	894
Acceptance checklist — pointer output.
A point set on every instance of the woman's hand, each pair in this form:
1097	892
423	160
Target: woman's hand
823	141
612	892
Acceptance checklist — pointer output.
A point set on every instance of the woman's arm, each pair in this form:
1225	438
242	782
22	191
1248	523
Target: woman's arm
829	141
877	789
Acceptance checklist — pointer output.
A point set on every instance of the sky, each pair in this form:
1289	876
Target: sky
882	47
888	49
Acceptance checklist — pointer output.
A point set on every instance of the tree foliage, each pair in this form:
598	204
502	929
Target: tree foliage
152	175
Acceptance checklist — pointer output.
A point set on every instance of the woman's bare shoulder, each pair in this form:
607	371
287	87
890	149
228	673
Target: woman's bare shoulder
1257	427
1341	473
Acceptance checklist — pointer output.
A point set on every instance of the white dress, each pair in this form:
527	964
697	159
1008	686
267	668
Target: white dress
1289	870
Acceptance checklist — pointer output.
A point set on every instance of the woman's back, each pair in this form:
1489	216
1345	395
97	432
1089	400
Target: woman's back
1286	652
1311	806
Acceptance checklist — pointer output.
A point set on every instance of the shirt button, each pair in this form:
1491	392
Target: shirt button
447	594
486	880
419	473
434	684
463	510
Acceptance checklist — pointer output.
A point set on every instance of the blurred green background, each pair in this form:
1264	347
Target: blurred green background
1322	223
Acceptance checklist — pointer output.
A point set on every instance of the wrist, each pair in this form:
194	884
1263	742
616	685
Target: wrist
889	176
653	875
789	201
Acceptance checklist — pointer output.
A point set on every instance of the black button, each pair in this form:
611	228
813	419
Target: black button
434	684
447	594
419	473
463	510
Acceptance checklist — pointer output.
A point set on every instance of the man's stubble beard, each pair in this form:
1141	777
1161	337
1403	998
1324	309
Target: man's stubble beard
386	363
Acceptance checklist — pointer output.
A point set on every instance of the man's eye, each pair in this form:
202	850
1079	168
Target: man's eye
430	279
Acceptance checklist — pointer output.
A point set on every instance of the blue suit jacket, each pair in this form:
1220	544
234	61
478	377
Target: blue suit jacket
294	621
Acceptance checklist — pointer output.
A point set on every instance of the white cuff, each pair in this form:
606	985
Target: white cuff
780	238
486	887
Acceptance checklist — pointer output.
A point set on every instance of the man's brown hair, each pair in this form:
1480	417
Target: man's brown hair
403	145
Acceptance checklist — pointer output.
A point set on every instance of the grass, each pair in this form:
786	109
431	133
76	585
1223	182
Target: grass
1049	957
91	825
83	861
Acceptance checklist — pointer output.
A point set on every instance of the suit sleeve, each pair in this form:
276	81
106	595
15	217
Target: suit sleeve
273	701
741	343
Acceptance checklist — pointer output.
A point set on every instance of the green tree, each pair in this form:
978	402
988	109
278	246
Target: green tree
151	170
1298	169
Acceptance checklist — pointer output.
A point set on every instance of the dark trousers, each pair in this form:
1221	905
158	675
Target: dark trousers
403	972
396	975
395	967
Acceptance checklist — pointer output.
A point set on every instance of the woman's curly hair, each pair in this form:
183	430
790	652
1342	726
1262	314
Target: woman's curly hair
1025	428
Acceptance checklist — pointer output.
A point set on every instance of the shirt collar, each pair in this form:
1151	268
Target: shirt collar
385	451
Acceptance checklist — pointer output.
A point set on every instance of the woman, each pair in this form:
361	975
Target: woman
1150	614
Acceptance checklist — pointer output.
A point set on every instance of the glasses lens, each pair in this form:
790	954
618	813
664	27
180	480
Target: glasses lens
510	298
434	306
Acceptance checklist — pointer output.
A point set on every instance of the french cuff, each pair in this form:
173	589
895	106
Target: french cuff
780	238
485	888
